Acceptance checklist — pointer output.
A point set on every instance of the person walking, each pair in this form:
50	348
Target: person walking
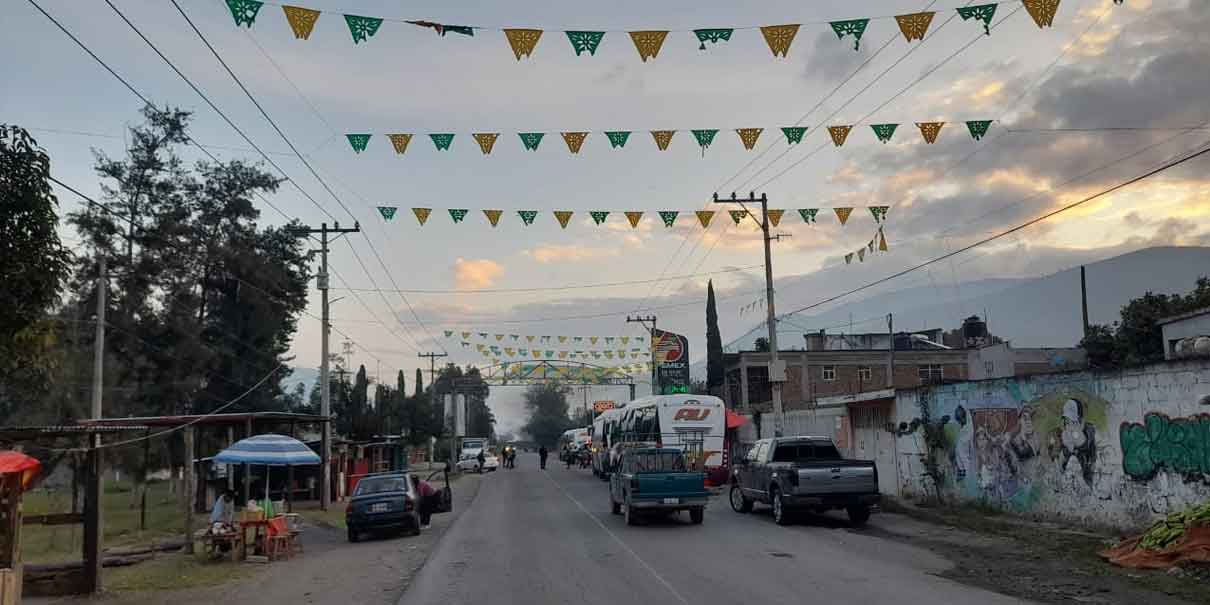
481	459
426	495
542	454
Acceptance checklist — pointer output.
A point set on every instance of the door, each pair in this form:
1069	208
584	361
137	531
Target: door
758	469
871	441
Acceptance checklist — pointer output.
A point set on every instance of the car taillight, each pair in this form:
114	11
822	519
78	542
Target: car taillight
634	484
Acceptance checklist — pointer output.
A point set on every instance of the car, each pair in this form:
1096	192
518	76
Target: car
383	502
470	463
656	480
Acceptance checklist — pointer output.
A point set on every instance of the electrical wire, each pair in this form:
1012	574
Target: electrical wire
562	288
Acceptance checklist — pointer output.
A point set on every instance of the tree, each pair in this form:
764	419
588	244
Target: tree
714	342
34	269
1137	337
761	345
547	405
419	383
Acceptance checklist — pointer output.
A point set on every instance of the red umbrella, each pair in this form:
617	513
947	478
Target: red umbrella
16	462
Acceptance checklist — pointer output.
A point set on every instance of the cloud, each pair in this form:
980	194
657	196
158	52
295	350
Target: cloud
476	273
556	253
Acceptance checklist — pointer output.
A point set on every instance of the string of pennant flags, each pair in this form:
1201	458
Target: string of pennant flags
469	336
704	138
876	245
668	218
523	41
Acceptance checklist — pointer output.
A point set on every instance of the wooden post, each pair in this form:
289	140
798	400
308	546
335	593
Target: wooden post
230	468
247	468
92	521
146	471
10	557
190	489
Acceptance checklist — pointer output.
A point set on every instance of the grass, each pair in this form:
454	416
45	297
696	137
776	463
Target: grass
173	572
333	517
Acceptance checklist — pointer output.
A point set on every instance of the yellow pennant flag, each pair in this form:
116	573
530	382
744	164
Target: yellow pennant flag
562	354
882	241
848	258
400	142
625	339
843	214
1043	11
704	216
486	141
466	335
648	43
422	214
499	337
529	337
749	136
509	350
493	216
914	25
779	37
523	41
562	216
608	354
634	218
537	354
662	138
574	140
593	339
929	130
775	216
302	20
562	339
839	134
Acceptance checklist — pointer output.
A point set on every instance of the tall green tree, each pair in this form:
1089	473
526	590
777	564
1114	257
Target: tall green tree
1137	337
547	407
714	343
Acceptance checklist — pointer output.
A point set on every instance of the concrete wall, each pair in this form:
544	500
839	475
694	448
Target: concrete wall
1113	449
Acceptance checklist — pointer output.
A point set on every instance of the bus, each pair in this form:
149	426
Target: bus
603	426
694	424
573	439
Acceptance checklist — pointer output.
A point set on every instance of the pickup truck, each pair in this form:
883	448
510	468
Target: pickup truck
803	473
656	480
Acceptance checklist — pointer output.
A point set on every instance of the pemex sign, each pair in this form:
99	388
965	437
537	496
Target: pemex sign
671	357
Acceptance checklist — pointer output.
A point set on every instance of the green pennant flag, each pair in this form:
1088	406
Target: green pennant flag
879	212
362	28
598	216
358	141
531	140
884	132
982	12
458	29
669	217
449	333
244	11
978	128
585	41
387	212
856	27
458	214
442	140
808	214
712	35
617	138
704	137
794	134
527	216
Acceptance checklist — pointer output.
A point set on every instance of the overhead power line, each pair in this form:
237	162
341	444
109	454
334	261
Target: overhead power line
560	288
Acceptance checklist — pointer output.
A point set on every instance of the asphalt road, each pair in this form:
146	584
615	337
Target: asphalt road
536	536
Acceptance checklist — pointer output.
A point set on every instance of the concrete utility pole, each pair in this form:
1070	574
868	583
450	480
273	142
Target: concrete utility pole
433	393
777	368
890	369
1083	301
98	361
649	319
321	282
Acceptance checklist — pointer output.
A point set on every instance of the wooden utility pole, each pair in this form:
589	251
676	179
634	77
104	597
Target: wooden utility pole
645	320
321	280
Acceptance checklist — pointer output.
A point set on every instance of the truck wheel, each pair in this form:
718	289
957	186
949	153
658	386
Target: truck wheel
780	515
697	515
858	515
614	507
739	502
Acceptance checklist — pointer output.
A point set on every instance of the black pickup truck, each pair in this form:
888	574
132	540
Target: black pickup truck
804	473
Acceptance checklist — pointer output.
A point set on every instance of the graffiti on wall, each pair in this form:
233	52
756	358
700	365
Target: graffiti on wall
1180	445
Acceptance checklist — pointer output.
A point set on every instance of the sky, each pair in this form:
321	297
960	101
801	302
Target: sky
1053	92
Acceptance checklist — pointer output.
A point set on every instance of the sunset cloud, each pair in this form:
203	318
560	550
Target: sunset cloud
476	273
555	253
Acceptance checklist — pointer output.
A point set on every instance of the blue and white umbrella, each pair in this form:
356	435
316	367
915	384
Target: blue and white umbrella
270	450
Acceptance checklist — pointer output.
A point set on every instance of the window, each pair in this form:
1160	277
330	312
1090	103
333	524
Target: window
381	485
930	373
989	367
829	373
759	389
757	454
805	451
864	374
656	462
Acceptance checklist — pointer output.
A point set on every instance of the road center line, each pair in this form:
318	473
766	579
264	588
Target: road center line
615	537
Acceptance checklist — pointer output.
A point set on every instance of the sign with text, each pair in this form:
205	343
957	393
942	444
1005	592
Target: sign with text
601	406
671	357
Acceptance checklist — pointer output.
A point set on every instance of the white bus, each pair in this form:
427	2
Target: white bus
573	440
694	424
605	430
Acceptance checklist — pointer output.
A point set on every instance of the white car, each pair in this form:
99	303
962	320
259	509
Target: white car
470	463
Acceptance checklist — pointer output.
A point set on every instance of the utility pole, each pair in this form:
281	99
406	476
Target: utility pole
1083	301
890	370
98	361
649	319
433	394
321	282
777	368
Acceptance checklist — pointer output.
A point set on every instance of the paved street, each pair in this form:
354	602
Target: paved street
548	537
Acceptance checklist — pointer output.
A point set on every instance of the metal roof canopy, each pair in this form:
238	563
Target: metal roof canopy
19	433
239	418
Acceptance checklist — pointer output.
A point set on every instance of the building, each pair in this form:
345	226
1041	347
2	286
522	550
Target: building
1002	360
1187	335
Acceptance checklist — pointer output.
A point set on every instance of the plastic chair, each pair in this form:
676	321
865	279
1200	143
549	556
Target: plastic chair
294	525
278	541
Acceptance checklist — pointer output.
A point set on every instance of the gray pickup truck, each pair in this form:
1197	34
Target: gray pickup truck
803	473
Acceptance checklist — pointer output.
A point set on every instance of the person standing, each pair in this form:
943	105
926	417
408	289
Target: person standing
426	494
542	454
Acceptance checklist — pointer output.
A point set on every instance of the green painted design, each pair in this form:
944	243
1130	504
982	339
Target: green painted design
598	216
244	11
527	216
855	27
704	137
617	138
458	214
712	35
1180	445
531	140
442	140
884	132
794	134
669	217
362	28
982	12
585	41
387	212
358	141
978	128
808	214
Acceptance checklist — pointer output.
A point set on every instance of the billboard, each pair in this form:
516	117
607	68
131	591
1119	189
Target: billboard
671	357
602	405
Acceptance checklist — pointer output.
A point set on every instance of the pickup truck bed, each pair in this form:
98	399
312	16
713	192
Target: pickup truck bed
804	473
640	487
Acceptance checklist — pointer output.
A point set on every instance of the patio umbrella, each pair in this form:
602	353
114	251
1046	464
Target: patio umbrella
16	462
270	450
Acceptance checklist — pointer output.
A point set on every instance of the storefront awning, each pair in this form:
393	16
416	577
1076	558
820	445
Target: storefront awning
735	420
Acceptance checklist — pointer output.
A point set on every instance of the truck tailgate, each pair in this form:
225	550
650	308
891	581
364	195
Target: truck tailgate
837	477
671	485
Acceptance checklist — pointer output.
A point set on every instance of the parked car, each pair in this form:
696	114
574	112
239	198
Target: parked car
470	463
383	501
804	473
656	480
